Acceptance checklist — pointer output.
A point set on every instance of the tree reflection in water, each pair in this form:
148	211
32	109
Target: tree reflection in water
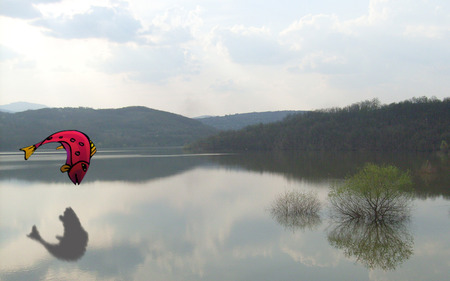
297	210
371	211
383	245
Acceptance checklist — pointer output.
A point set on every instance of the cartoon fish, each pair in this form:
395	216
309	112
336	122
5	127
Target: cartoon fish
79	150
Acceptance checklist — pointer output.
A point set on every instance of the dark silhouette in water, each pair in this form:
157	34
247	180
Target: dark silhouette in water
296	210
72	245
376	245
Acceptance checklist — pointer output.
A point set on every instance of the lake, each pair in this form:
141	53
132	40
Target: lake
152	214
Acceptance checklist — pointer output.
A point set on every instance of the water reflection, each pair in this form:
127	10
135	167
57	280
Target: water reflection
72	245
106	167
382	245
371	210
313	167
433	176
296	210
316	167
209	223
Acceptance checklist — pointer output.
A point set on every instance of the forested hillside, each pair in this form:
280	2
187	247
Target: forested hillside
241	120
419	124
124	127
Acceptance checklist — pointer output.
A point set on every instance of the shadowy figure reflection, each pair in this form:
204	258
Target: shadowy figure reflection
383	245
297	210
72	245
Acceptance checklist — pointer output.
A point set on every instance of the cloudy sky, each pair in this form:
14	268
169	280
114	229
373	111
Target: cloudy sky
222	57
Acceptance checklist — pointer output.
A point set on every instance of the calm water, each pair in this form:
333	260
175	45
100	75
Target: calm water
161	215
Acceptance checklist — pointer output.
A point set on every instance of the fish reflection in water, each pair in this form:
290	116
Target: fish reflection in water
383	245
72	245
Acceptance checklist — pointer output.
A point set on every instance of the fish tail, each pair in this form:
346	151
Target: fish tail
34	234
93	148
28	151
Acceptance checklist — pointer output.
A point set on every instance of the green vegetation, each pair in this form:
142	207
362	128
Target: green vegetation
371	211
374	194
419	124
124	127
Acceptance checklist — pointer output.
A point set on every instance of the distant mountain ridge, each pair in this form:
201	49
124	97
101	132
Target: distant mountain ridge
135	126
20	106
241	120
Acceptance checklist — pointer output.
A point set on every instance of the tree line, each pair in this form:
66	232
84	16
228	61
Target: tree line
418	124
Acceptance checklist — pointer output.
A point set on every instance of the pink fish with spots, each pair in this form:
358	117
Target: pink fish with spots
79	150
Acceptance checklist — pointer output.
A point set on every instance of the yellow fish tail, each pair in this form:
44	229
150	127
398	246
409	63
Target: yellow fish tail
28	151
93	148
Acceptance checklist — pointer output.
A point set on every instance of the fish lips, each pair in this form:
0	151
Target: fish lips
78	171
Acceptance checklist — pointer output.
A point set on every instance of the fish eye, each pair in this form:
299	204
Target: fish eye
84	167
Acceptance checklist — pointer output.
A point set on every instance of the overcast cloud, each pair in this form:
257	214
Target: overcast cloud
205	58
114	24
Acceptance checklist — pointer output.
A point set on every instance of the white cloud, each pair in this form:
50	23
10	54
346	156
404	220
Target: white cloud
210	55
114	24
374	52
323	63
252	46
173	27
427	31
22	8
223	85
7	53
150	63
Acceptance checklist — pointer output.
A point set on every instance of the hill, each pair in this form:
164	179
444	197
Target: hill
419	124
20	106
241	120
123	127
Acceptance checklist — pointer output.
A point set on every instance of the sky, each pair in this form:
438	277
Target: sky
222	57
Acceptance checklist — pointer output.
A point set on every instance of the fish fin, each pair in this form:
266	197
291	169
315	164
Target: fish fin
34	234
28	151
60	147
64	168
93	148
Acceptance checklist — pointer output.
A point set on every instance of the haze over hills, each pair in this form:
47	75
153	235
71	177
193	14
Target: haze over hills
123	127
20	106
241	120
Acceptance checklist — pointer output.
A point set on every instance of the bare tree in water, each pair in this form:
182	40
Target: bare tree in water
297	210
